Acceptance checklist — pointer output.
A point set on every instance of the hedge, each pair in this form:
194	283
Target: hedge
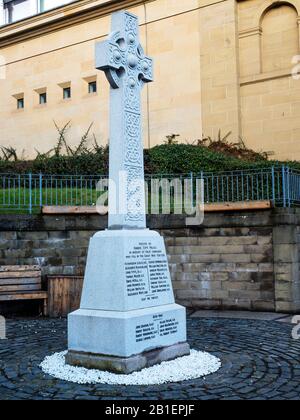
163	159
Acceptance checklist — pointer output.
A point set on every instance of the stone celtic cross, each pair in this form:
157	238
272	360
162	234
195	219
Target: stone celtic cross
127	68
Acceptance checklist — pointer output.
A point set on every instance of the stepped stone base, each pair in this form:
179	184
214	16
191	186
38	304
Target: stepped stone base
127	365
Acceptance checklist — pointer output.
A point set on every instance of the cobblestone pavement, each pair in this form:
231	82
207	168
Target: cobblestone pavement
260	361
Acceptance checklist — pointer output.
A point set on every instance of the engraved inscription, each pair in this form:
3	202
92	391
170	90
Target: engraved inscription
159	327
147	272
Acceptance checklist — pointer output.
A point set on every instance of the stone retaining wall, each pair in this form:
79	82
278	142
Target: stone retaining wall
227	268
240	260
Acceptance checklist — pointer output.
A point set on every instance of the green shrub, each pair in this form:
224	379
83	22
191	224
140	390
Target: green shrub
184	158
169	158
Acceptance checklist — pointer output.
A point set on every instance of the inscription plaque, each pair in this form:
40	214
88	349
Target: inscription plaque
147	272
159	327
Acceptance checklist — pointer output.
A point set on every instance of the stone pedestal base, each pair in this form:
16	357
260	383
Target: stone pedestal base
127	365
128	318
126	334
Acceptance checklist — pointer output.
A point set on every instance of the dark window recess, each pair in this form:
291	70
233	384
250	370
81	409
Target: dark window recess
93	87
67	93
20	103
43	98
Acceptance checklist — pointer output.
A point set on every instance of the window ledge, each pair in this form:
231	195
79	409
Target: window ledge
90	95
262	77
66	15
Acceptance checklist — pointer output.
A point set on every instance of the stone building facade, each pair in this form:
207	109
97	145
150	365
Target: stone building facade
219	65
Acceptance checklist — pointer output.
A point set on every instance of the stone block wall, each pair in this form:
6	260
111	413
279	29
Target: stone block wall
228	268
286	263
57	252
238	260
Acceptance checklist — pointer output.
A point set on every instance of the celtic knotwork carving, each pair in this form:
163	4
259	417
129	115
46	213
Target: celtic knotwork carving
132	125
135	194
116	56
133	150
131	24
123	50
146	68
132	98
127	68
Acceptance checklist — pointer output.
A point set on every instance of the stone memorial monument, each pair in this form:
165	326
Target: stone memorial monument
128	319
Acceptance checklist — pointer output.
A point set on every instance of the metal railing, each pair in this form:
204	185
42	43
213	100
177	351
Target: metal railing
30	192
281	185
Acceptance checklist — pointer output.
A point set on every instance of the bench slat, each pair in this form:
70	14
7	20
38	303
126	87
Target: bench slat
18	268
20	288
21	274
22	282
23	296
29	280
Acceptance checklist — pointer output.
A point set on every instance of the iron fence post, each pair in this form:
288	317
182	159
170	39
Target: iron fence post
202	180
273	187
283	186
192	190
41	189
30	193
288	173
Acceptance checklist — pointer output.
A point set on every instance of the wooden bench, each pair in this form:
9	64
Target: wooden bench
22	282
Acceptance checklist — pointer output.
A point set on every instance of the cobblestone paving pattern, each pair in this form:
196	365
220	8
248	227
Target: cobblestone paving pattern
260	361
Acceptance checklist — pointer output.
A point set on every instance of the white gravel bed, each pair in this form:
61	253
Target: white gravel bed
197	365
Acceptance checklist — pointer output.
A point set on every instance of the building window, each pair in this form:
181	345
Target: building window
20	103
67	92
93	87
45	5
43	98
17	9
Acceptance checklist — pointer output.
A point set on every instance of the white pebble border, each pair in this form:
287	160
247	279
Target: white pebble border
197	365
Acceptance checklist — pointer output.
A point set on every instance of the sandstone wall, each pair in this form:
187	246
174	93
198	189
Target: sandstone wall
242	261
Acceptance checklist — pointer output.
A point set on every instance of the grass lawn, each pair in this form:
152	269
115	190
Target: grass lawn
14	201
18	201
